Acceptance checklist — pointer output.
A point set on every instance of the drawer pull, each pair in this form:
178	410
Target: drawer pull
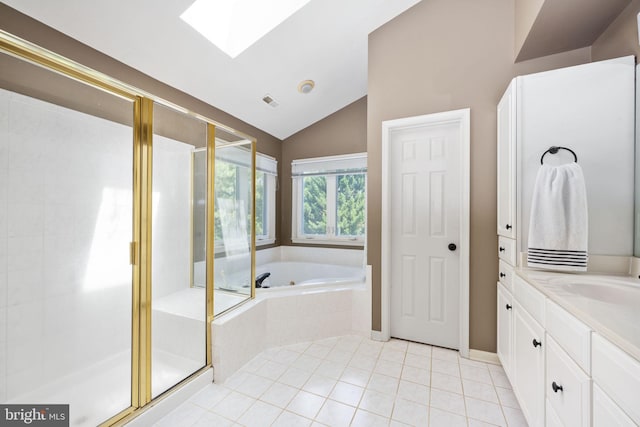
556	387
501	249
508	306
503	275
537	343
508	227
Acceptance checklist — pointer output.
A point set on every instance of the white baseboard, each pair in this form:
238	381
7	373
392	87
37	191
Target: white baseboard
377	336
484	356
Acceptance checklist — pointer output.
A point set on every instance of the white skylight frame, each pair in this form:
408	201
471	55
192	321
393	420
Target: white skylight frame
234	25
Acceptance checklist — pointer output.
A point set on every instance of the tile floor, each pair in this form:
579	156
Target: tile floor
354	381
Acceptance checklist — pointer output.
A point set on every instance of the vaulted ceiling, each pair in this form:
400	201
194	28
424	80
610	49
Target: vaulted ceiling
325	41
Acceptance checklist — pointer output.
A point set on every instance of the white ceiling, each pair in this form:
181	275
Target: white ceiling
325	41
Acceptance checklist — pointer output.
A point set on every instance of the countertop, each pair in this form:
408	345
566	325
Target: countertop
608	304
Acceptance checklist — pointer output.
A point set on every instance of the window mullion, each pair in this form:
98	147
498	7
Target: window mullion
331	206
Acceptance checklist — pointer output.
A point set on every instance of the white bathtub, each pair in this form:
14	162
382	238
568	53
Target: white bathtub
290	274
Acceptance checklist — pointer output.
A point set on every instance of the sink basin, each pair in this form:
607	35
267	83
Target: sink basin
605	289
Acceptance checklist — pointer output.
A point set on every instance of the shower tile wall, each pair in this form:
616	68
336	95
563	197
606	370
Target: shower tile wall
65	224
171	216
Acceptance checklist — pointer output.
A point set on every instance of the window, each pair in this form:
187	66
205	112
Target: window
329	203
233	176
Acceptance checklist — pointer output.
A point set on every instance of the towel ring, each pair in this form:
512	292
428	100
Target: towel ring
554	150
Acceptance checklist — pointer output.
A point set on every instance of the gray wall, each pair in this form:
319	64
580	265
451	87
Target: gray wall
343	132
443	55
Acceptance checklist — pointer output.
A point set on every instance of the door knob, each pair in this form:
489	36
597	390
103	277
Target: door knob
536	343
502	274
508	227
452	246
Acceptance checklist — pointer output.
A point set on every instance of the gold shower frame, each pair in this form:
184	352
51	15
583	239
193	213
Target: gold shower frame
140	246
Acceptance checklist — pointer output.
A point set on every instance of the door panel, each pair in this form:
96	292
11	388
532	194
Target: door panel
424	193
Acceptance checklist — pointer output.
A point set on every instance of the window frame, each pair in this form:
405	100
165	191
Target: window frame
269	166
330	167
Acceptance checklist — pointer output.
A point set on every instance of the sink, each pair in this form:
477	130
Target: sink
605	289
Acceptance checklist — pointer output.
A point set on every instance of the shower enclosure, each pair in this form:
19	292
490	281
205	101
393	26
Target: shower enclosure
109	238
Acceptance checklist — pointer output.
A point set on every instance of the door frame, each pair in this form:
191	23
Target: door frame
462	118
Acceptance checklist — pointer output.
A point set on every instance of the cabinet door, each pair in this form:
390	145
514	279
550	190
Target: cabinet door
528	365
606	413
507	163
568	388
505	328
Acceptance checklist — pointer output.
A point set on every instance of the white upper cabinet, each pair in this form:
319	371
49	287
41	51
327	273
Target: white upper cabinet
588	108
507	163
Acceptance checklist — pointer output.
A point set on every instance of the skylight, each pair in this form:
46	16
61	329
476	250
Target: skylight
234	25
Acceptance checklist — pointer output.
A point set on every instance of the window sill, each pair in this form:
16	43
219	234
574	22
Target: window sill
265	242
333	242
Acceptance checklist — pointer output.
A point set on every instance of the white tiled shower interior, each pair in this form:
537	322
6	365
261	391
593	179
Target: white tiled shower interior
178	323
65	278
65	287
352	380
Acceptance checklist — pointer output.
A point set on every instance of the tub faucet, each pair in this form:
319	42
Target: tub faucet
261	278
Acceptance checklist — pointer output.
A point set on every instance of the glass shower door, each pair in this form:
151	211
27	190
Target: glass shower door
66	162
178	304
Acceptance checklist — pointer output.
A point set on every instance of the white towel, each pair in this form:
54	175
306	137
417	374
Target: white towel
558	227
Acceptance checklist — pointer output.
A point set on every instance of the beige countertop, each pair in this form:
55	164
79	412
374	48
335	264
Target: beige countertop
608	304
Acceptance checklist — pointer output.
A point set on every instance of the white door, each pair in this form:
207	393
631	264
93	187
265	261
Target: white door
424	187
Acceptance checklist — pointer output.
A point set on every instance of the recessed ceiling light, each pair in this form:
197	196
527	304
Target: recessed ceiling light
234	25
306	86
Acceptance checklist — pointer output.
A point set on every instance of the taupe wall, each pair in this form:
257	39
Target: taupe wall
343	132
526	12
621	38
29	29
443	55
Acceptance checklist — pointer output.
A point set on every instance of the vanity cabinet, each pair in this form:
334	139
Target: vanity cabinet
562	372
606	412
567	388
505	328
528	365
618	376
507	163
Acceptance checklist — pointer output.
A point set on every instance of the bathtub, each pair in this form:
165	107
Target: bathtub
290	274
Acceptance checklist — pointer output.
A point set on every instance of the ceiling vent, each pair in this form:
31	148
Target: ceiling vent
270	101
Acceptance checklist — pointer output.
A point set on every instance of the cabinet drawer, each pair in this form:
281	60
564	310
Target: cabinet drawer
507	250
606	413
529	298
567	387
505	274
617	374
570	333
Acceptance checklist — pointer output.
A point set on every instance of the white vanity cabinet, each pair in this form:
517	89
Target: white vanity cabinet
617	375
606	412
567	388
507	163
505	328
562	372
528	365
